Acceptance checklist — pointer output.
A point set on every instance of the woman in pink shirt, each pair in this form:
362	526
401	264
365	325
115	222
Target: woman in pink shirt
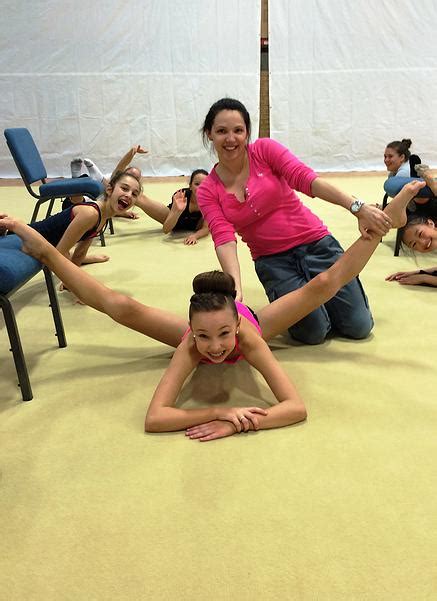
251	191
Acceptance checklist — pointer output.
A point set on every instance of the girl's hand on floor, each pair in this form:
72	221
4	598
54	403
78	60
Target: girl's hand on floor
191	239
394	277
412	279
210	431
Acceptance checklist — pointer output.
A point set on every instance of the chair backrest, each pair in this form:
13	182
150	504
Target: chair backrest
414	160
25	154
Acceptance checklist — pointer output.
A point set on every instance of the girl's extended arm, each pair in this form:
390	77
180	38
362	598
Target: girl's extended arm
80	251
85	218
126	160
162	416
200	233
415	278
179	203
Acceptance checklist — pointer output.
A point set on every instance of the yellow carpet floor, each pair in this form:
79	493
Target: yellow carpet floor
341	507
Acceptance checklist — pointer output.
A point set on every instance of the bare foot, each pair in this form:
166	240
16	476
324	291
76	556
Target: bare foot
33	243
396	209
89	259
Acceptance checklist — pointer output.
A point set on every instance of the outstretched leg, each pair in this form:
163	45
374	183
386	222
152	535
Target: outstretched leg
156	323
287	310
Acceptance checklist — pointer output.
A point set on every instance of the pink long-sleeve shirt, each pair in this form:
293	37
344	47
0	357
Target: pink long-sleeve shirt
272	218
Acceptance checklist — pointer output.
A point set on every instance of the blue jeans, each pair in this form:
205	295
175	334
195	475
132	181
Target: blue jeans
347	313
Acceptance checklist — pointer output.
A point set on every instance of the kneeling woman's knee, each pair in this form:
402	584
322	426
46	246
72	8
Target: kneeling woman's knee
358	328
312	329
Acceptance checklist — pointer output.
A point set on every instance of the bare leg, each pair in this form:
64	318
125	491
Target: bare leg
287	310
156	323
154	209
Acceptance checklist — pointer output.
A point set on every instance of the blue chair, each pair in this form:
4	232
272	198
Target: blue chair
31	168
17	268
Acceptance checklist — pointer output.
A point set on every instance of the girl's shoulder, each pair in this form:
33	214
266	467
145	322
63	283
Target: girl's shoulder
86	208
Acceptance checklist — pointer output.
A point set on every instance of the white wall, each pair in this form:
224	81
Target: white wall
95	78
349	76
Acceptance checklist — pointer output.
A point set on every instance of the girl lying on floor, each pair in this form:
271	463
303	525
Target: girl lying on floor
420	235
220	330
183	213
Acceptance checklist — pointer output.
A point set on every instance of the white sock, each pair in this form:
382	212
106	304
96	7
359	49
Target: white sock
76	167
93	170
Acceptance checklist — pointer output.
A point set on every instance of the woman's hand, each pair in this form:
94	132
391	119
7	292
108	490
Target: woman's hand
399	275
242	417
191	239
211	431
372	220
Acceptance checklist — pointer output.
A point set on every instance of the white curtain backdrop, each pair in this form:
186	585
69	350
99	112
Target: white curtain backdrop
347	77
93	79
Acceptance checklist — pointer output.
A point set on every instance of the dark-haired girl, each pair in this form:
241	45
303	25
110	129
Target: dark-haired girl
220	330
420	235
183	213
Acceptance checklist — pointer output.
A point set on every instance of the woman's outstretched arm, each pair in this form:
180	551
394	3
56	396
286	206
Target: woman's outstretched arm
370	218
228	259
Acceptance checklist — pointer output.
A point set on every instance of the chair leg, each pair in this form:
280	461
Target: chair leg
384	201
111	225
50	207
35	210
398	241
102	239
17	349
54	305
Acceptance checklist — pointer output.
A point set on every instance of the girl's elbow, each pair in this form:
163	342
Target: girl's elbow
299	413
302	413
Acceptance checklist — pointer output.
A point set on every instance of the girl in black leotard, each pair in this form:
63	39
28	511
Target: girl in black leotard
182	213
76	226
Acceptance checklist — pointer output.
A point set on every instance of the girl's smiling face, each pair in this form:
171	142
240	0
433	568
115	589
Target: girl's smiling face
421	237
124	193
214	333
